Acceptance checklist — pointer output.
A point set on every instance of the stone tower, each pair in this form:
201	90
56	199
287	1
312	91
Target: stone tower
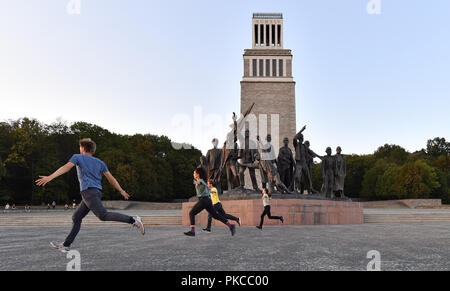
268	80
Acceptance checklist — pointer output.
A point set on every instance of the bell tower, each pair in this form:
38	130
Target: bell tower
268	80
267	30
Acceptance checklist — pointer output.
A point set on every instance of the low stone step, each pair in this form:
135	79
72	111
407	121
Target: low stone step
88	221
407	218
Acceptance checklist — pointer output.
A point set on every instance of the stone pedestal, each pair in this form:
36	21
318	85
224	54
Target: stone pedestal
294	211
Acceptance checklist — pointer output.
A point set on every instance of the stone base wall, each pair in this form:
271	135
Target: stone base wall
294	211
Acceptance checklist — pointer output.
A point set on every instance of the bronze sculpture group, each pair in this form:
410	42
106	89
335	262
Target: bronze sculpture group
288	173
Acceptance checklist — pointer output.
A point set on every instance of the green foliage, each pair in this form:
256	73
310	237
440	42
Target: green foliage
317	176
357	166
392	153
2	170
5	195
398	174
147	166
443	192
371	177
385	187
438	147
416	180
151	169
411	180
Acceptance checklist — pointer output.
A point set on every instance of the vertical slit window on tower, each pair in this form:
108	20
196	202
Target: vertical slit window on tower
267	68
274	68
255	69
279	34
267	35
281	68
256	34
273	35
261	34
261	68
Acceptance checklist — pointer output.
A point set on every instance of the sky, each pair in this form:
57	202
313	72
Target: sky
174	67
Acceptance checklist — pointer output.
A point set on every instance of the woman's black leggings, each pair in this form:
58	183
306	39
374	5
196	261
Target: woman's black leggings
219	209
205	203
267	212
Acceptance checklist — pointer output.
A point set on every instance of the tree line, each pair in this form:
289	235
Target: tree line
149	167
394	173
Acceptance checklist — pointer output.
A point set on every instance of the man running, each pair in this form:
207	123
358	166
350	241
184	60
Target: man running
90	170
218	207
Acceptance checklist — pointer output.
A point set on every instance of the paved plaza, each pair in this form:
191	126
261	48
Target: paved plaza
341	247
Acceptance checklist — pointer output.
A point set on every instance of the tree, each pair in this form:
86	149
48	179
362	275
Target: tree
145	165
392	153
371	178
26	152
2	169
357	166
416	180
437	147
443	192
384	188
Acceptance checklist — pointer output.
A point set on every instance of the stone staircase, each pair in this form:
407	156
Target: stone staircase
174	220
407	217
403	204
66	220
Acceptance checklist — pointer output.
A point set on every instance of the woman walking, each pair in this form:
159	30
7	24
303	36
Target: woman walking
266	202
204	202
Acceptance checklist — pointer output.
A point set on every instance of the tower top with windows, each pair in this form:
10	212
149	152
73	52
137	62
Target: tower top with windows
267	31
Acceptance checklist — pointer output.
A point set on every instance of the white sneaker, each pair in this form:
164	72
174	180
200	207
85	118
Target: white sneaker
139	225
59	246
